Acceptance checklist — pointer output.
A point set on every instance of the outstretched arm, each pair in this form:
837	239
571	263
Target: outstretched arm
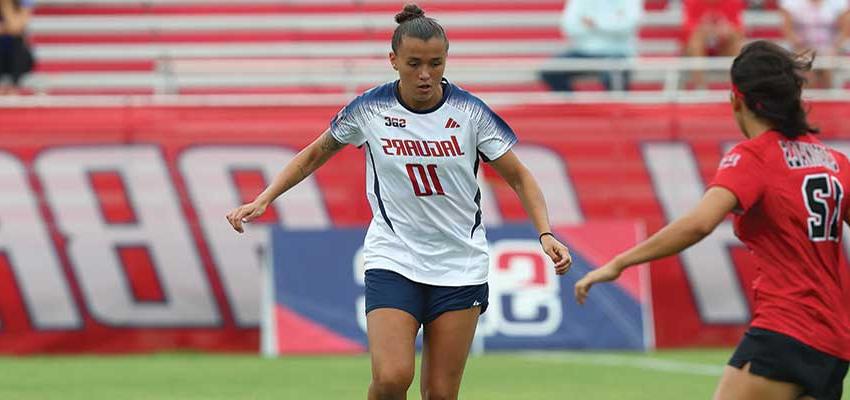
673	238
301	166
523	183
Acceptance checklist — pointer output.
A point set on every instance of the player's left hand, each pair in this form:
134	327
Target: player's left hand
605	273
244	214
559	253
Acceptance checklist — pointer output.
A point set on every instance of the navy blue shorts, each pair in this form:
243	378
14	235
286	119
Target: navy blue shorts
388	289
783	358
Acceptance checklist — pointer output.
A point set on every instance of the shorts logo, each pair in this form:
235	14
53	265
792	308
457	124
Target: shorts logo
451	123
476	303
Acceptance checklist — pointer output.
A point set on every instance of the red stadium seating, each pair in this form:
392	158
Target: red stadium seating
65	49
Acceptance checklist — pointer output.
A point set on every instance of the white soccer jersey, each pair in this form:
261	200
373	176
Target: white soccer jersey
421	182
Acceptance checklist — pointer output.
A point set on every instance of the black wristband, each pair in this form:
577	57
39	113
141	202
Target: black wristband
540	238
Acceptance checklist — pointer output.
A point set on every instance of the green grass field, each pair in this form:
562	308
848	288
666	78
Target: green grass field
690	374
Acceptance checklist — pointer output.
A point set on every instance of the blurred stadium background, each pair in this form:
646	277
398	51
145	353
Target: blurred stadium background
145	121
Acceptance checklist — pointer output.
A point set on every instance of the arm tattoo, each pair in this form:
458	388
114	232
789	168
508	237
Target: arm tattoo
329	144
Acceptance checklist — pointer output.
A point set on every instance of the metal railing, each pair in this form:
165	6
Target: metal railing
353	74
175	75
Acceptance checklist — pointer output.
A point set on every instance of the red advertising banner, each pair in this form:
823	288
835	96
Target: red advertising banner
113	237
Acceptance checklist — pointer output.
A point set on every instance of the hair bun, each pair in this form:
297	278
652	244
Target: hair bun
411	11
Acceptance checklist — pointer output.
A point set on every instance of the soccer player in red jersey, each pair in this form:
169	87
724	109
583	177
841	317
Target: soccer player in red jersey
787	191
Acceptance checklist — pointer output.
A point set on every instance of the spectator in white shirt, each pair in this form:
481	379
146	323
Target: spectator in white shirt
598	29
818	25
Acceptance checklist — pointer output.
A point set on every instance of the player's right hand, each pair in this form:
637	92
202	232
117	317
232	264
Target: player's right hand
245	213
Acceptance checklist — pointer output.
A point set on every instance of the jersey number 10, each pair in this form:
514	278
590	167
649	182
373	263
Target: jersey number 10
824	223
430	182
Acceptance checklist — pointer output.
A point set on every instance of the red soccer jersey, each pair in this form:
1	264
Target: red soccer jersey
792	205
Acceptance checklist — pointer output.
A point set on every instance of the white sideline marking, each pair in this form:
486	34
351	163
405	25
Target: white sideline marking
646	363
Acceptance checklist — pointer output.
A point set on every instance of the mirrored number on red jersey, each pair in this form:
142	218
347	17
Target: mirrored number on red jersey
824	220
430	182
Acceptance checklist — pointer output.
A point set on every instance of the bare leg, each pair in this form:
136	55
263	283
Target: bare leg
392	345
446	347
696	48
731	44
822	79
740	384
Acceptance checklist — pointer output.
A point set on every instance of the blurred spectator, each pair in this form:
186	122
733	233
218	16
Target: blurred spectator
598	29
712	28
815	25
15	56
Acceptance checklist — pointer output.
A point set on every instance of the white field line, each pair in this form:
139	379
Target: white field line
638	362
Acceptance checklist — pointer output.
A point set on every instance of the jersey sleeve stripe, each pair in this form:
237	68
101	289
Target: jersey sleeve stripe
477	213
477	200
378	190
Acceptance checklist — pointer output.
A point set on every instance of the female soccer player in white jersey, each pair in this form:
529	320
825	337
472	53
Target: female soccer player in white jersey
425	252
787	191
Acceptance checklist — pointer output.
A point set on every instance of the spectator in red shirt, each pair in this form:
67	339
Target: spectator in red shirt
787	191
712	28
